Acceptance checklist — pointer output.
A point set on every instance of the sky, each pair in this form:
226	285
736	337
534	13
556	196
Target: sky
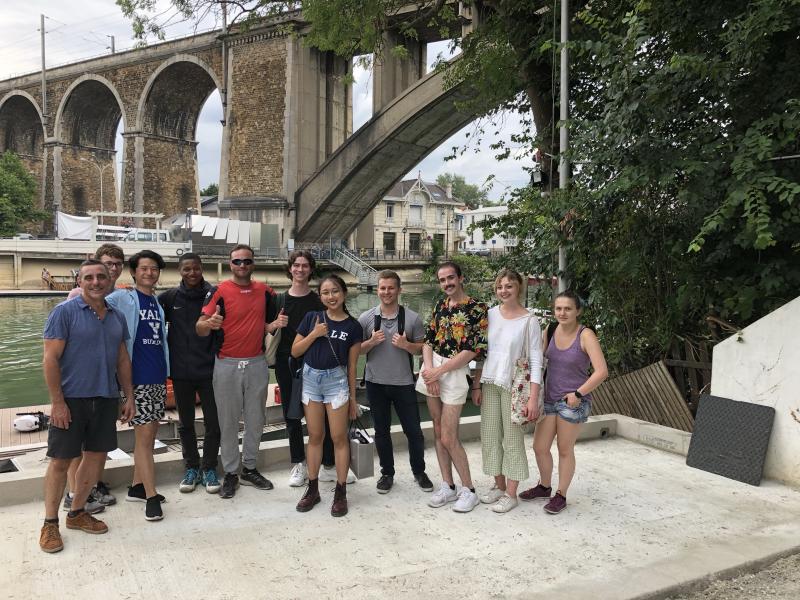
77	35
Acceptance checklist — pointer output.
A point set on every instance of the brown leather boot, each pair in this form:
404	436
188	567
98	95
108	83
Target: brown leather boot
339	506
310	498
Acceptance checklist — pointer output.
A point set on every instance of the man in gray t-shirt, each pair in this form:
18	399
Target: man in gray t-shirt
392	334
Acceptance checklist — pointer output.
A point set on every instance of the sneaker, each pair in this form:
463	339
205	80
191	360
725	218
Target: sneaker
210	481
492	496
339	506
442	496
310	498
190	480
153	510
229	485
256	479
136	493
92	505
504	504
467	500
329	474
424	482
86	522
536	493
556	505
299	475
385	484
103	494
50	538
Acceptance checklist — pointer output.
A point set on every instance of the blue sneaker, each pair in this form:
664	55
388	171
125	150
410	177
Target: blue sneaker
210	481
190	480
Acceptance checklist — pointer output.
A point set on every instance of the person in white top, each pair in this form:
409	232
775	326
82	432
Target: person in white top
502	442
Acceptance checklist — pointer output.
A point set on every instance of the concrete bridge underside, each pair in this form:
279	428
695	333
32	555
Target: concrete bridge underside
348	185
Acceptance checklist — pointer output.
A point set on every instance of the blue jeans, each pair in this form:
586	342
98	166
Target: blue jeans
404	398
328	386
577	415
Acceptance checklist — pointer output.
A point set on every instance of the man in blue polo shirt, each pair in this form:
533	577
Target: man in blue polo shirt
85	363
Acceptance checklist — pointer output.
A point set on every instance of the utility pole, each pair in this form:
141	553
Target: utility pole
111	37
563	164
44	78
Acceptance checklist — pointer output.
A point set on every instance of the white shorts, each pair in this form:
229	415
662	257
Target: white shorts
453	385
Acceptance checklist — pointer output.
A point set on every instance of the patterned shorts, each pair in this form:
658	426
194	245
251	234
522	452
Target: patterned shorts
150	402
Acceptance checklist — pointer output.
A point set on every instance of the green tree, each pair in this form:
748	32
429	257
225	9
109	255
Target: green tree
17	196
685	122
212	189
469	194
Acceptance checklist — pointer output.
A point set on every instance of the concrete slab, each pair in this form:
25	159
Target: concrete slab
639	522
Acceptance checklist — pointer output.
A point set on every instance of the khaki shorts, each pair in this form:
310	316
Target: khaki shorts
453	385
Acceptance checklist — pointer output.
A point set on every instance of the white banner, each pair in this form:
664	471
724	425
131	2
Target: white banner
71	227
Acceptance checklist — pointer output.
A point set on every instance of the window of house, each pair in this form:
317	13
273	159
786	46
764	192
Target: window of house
389	241
414	243
390	211
415	214
439	237
440	216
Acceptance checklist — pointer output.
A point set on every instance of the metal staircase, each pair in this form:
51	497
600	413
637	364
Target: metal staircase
350	262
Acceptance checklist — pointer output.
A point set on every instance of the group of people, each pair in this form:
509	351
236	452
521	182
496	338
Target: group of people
108	353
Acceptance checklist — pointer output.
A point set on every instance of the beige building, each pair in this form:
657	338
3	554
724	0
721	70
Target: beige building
412	215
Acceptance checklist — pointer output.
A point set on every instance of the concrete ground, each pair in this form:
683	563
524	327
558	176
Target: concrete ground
640	523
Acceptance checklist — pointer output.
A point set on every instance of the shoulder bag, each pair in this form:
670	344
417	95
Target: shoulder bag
274	339
521	382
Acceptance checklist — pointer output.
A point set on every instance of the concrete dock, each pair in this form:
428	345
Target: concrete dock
640	523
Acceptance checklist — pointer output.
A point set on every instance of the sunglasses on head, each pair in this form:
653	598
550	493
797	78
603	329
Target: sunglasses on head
242	261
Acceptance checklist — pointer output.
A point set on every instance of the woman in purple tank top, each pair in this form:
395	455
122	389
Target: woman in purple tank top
568	400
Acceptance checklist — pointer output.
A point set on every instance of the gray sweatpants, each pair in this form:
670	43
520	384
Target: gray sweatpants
240	386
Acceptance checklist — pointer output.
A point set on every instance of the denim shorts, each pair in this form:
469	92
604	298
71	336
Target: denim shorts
328	386
576	415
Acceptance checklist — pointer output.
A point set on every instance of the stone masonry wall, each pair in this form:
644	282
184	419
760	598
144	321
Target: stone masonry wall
257	118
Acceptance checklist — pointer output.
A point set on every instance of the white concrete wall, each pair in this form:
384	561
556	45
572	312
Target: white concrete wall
763	366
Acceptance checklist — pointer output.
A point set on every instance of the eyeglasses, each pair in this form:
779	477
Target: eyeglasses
113	265
242	261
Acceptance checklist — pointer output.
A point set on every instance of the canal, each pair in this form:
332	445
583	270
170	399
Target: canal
22	321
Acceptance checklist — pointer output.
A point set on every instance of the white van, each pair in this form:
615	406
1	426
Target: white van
148	235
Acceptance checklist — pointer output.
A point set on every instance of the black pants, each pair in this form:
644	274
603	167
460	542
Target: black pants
381	397
185	391
294	427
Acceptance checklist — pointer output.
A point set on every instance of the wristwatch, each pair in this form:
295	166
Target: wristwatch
578	395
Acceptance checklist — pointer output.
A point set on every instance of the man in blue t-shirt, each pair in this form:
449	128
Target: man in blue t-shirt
85	363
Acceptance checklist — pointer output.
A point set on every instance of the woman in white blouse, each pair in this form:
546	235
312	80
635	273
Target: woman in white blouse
502	442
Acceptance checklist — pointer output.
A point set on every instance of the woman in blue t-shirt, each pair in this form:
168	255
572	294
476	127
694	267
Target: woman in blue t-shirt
149	354
330	342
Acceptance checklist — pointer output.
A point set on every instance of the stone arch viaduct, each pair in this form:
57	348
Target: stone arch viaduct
289	157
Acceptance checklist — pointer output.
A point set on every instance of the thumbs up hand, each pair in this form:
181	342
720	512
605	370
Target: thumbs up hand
281	321
215	320
400	341
320	329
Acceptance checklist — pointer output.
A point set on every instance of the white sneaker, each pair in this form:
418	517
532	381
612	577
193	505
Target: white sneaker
467	500
299	474
329	474
504	504
442	496
492	496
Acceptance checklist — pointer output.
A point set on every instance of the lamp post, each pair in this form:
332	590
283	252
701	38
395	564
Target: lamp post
100	170
405	248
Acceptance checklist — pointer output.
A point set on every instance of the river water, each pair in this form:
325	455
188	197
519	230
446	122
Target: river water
22	322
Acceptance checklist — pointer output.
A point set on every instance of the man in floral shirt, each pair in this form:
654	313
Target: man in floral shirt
456	335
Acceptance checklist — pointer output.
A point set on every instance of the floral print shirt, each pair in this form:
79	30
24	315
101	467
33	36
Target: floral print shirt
457	328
